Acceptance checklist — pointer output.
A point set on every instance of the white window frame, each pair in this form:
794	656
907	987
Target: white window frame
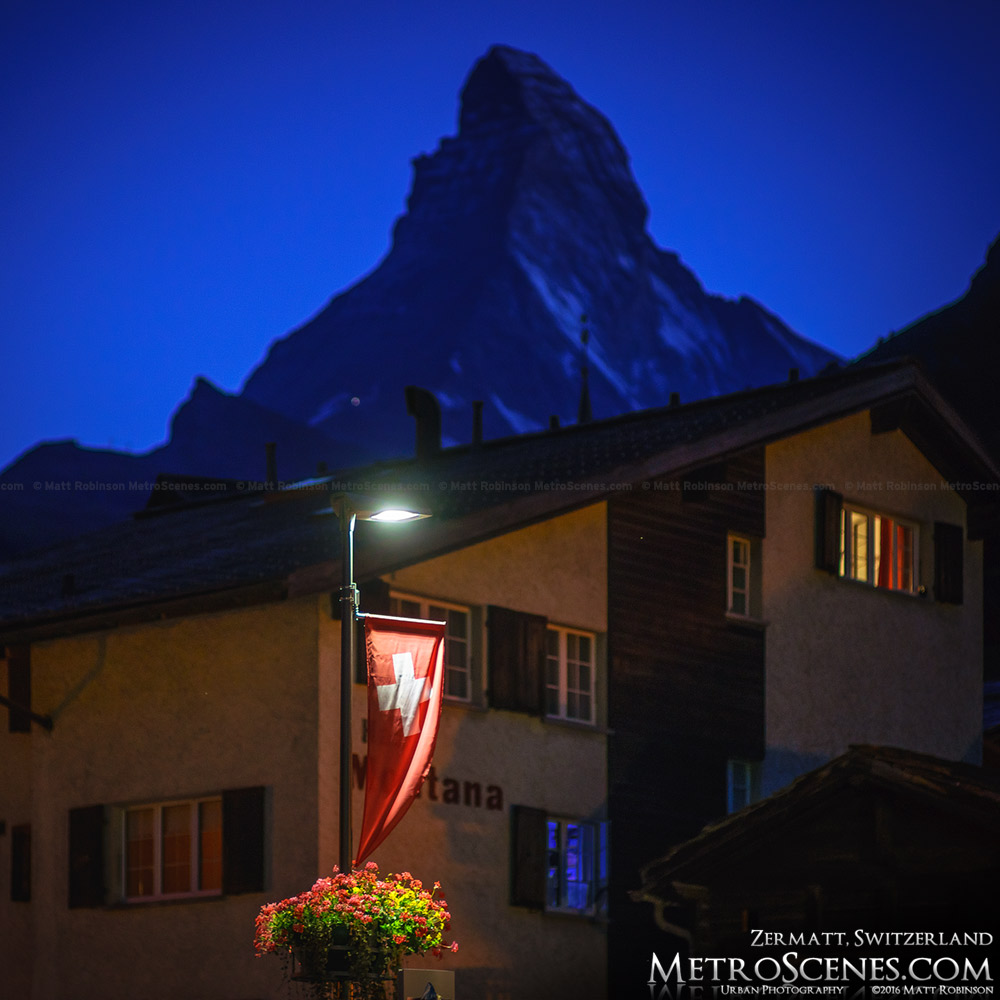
848	569
560	871
731	566
425	604
562	687
194	829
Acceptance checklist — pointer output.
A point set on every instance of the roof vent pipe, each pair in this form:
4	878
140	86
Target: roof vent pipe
477	421
675	399
271	465
423	407
793	374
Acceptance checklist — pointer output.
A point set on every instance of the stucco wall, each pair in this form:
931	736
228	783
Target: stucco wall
847	663
182	708
193	706
558	569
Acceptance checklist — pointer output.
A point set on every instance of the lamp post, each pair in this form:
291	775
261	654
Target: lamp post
349	509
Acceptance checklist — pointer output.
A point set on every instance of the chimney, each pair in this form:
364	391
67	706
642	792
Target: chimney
271	465
675	399
423	407
477	422
554	422
793	374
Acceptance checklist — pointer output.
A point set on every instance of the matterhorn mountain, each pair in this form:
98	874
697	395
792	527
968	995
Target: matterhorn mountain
526	221
521	271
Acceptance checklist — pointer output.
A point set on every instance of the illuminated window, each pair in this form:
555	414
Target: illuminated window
569	675
173	849
572	873
458	639
558	863
878	550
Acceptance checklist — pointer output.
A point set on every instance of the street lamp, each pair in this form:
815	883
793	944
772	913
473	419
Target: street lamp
349	508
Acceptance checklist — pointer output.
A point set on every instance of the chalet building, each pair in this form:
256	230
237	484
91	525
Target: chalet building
879	839
653	621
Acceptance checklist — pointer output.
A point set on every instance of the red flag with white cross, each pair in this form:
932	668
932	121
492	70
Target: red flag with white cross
405	683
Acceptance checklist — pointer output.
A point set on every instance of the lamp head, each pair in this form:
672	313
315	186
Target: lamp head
368	508
394	515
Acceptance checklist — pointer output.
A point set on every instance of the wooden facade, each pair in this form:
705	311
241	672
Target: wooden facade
686	681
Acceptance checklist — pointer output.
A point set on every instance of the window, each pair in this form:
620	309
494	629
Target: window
878	550
185	849
739	575
558	864
571	874
569	675
173	849
741	784
458	639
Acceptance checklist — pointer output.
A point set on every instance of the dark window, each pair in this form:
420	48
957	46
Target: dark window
19	688
949	542
20	863
517	659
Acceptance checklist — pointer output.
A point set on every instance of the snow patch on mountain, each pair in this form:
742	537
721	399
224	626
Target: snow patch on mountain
330	408
564	307
520	423
685	331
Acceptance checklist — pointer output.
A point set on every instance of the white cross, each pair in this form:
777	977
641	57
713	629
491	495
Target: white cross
406	693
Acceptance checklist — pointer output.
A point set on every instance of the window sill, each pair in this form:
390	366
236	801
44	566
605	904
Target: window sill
921	593
744	622
194	897
464	706
587	728
597	918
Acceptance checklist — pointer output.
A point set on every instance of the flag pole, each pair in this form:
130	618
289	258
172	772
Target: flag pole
348	508
348	632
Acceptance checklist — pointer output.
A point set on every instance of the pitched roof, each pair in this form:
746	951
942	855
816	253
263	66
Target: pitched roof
971	794
252	546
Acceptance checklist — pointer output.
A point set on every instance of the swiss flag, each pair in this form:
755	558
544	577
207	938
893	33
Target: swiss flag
405	683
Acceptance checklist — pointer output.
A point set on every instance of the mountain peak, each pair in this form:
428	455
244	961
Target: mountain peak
524	222
509	85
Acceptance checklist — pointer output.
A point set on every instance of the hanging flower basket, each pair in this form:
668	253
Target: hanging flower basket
355	928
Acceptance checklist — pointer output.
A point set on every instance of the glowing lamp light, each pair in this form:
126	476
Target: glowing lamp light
393	515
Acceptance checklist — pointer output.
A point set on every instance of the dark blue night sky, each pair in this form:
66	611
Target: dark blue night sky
184	181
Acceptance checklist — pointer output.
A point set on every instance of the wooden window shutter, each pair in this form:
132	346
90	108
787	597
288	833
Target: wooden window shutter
86	856
949	542
828	513
517	652
19	688
528	856
20	863
373	597
243	853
